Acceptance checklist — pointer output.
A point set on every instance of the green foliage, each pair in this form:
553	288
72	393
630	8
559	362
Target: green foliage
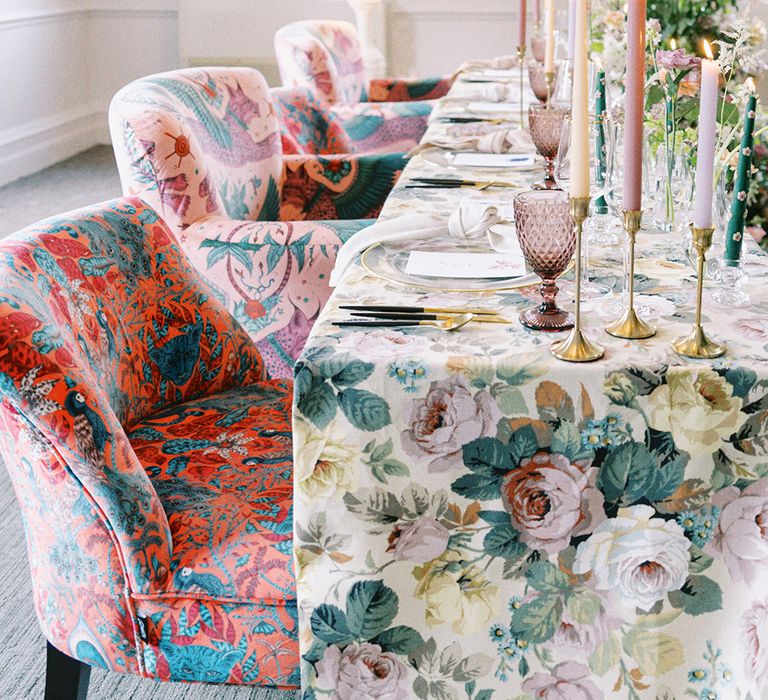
687	20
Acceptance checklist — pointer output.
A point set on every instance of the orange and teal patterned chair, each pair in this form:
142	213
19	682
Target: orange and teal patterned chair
326	56
310	125
202	147
150	455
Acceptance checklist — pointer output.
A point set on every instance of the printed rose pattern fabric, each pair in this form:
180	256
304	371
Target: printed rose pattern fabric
475	519
203	148
150	457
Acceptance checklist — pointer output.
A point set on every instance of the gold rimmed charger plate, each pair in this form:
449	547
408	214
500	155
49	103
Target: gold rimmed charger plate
387	261
446	159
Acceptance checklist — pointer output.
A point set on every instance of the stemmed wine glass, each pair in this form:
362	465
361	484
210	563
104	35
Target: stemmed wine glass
538	78
598	133
546	126
547	238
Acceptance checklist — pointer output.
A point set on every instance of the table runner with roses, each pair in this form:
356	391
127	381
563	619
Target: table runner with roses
476	520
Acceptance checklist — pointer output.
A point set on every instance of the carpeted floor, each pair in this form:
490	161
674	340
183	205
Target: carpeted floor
87	178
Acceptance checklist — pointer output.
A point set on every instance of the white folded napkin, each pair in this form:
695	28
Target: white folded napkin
501	141
497	92
500	62
471	221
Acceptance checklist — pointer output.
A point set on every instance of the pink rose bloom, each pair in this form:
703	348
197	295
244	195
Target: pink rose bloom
420	541
678	59
573	639
570	681
754	625
362	671
741	535
446	419
551	500
753	329
383	344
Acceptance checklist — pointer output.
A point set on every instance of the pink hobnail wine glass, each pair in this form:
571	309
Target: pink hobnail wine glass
546	126
547	238
538	77
539	47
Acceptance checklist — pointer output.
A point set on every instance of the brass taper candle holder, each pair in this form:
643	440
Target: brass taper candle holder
577	347
520	60
629	325
696	344
549	77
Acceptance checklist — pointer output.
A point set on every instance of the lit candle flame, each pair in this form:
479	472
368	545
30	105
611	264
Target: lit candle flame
708	50
673	44
751	86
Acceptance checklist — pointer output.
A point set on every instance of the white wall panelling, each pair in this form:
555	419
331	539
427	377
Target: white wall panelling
241	32
62	62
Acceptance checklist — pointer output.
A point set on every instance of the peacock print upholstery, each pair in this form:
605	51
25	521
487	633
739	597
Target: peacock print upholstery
309	125
327	57
202	147
150	456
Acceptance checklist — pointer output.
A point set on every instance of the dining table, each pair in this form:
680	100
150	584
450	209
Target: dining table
476	519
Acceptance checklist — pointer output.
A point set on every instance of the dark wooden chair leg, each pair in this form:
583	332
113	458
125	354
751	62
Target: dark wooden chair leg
65	678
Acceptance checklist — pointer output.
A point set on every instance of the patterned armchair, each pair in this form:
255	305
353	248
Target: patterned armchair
150	457
327	57
309	125
202	147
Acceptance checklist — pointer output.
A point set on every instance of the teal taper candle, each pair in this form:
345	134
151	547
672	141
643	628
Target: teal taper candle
601	114
735	235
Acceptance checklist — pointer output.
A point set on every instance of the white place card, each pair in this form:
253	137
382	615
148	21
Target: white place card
465	265
493	160
493	107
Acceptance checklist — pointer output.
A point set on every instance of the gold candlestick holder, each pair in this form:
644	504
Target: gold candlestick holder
696	344
549	78
629	325
520	59
577	347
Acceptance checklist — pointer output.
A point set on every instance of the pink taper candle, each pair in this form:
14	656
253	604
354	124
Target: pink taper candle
634	97
523	22
537	8
705	155
580	159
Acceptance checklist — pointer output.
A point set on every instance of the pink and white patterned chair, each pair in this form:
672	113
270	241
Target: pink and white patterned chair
326	56
202	147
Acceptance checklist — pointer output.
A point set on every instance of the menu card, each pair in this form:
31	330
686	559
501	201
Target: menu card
465	265
493	160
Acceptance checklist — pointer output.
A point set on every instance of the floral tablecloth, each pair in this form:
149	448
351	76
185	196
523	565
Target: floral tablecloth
475	519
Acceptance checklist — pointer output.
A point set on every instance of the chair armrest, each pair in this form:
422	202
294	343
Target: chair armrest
384	127
408	89
337	186
272	277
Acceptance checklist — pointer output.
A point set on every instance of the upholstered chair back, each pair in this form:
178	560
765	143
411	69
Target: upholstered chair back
325	56
307	125
102	322
199	142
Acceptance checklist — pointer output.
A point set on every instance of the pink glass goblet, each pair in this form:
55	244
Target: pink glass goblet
547	238
539	47
546	126
538	77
